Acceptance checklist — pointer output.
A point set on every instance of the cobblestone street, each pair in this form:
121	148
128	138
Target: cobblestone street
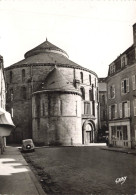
83	170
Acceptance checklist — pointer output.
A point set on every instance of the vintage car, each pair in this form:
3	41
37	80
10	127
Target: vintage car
28	145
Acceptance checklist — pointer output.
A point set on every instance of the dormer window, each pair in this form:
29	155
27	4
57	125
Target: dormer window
123	61
112	68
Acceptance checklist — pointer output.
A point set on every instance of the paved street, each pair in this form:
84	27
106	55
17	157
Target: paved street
84	170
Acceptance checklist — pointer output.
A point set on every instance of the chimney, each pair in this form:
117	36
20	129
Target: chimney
134	34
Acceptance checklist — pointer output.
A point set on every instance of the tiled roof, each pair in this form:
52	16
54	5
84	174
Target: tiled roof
55	80
43	48
47	54
46	58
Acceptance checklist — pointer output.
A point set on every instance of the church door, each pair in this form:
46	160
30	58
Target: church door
89	134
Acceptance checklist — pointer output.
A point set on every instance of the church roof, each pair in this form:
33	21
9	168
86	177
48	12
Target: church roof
43	48
56	81
47	54
47	59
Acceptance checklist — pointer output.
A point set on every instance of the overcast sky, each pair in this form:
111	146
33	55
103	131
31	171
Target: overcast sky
92	32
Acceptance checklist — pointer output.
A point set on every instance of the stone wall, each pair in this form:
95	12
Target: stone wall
60	123
34	76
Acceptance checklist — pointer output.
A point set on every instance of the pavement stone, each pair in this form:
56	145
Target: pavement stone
16	178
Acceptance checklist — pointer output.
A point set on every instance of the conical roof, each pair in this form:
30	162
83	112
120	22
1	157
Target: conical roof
44	48
47	54
56	81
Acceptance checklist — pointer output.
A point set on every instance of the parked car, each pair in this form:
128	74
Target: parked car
28	145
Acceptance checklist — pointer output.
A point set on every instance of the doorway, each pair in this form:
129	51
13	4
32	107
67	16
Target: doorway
88	132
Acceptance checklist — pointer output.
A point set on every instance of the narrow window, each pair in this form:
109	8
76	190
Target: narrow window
90	79
125	86
23	75
90	95
92	91
83	93
81	77
10	76
23	93
93	108
87	108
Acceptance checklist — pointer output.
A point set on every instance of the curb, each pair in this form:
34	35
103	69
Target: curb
114	150
34	180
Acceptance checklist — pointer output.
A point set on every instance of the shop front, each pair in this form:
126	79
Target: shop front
119	134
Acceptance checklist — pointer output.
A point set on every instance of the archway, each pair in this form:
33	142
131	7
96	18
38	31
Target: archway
88	132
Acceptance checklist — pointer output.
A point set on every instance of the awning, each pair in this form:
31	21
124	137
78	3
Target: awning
6	123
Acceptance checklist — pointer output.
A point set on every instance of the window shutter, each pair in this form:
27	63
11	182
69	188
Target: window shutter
127	82
109	112
134	107
128	107
116	111
122	87
134	81
120	109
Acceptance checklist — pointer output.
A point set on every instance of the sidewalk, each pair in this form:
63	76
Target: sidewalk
123	150
16	178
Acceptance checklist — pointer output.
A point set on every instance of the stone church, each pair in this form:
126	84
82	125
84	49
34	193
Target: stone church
51	99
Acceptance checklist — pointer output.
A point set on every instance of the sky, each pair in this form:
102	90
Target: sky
93	32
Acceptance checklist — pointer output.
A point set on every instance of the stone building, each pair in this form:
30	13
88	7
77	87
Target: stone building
52	99
121	85
103	124
6	124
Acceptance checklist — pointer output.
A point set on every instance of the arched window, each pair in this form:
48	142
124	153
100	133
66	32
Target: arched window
23	92
83	93
23	75
90	79
10	76
81	77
